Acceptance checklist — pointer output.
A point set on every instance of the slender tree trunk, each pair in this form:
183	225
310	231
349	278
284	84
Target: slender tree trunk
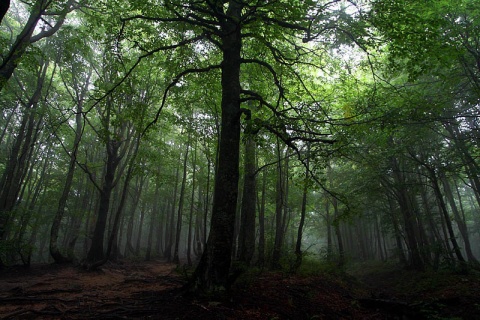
435	238
129	250
279	212
160	230
472	168
397	233
113	238
207	203
328	222
379	238
336	220
402	196
286	210
261	223
303	211
62	202
462	226
178	231
192	206
443	209
155	213
18	163
8	122
38	186
170	231
198	235
140	231
338	232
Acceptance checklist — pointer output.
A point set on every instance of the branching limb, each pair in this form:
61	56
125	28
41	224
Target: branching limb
171	85
272	72
138	61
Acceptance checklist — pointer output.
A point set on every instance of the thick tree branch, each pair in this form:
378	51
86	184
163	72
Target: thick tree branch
189	18
47	33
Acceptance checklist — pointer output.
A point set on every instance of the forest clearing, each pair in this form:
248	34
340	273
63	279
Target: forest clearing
151	290
292	159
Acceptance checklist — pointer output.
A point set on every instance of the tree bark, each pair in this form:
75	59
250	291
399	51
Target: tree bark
303	211
247	224
212	273
62	202
280	194
409	219
338	233
154	215
443	209
25	38
176	258
261	223
96	252
169	230
192	206
17	165
462	226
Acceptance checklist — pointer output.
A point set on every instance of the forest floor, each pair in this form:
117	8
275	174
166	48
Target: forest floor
150	290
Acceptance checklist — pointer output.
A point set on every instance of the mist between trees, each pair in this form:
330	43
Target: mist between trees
222	134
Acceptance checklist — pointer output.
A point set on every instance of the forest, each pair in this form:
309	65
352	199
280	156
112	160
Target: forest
209	151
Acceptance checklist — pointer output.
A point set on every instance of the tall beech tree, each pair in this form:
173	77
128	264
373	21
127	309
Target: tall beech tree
229	26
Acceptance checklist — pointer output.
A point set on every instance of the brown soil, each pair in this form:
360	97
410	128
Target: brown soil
151	290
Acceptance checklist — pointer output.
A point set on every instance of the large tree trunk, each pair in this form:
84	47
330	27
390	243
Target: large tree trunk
247	224
212	273
96	252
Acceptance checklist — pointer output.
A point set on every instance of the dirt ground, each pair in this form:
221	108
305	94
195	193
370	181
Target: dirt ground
150	290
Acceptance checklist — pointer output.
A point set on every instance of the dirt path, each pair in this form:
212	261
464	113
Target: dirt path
149	290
